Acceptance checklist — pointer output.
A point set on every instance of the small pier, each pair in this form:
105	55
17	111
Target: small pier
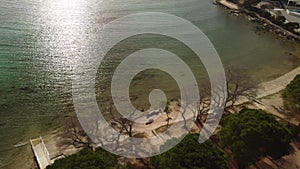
41	153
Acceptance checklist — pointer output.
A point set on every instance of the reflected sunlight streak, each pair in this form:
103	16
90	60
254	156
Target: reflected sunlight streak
63	28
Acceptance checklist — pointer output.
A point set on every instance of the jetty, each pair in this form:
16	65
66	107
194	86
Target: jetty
40	152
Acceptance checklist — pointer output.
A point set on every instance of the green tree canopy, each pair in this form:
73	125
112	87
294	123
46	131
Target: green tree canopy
189	154
87	159
291	95
253	133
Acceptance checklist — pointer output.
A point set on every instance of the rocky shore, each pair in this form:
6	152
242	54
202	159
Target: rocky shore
266	24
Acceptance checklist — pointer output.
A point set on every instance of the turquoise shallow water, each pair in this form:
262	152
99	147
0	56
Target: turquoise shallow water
41	41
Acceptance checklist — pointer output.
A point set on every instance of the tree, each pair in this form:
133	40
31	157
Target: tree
291	95
124	125
251	134
74	134
279	20
239	86
168	110
189	154
87	159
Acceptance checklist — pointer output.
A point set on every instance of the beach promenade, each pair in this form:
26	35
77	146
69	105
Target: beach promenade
276	85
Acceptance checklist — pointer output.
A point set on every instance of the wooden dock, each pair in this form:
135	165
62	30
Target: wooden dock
41	153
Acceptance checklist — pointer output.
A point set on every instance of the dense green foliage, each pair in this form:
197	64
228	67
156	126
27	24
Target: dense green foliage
87	159
291	95
189	154
295	130
253	133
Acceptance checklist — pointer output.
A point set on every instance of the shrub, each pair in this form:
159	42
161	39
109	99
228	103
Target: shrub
291	95
87	159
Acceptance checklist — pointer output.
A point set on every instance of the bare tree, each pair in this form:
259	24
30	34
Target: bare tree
124	125
240	89
239	86
168	110
74	134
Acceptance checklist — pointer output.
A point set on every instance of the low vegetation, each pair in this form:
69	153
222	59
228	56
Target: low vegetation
291	96
87	159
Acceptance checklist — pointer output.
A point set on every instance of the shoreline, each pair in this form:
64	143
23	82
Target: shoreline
276	85
265	89
265	23
40	126
269	97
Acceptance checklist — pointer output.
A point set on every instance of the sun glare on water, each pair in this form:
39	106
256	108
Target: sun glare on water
63	32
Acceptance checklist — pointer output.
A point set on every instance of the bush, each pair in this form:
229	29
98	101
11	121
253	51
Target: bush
262	13
291	95
189	154
252	134
291	26
87	159
279	20
295	130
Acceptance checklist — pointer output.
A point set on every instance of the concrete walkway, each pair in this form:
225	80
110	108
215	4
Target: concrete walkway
276	85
